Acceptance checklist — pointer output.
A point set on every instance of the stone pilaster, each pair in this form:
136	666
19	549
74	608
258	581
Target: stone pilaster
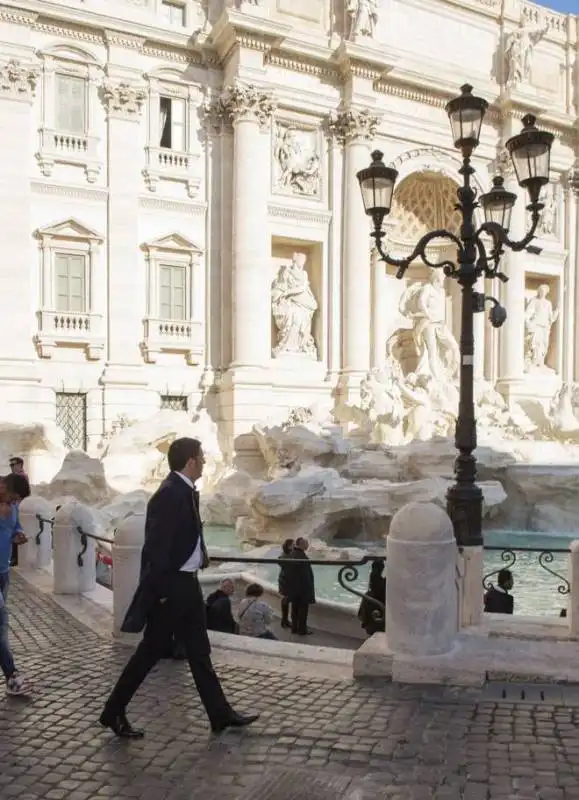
512	334
571	282
355	129
250	111
126	289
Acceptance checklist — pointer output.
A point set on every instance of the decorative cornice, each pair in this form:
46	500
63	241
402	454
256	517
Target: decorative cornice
176	206
17	16
246	102
17	80
123	99
353	124
301	64
126	40
300	214
76	192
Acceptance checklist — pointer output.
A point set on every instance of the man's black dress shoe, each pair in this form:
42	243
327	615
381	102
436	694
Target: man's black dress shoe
234	720
120	726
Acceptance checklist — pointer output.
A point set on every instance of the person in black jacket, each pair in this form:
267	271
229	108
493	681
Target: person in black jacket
282	582
497	599
219	611
168	601
301	591
372	618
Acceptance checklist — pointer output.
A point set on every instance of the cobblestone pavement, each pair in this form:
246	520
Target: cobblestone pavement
317	739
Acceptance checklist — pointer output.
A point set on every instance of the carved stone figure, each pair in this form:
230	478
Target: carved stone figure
18	79
519	52
299	172
362	18
124	99
539	319
564	423
425	305
548	223
293	306
353	124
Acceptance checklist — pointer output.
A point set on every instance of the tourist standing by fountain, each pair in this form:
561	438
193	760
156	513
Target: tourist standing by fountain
168	601
282	581
372	619
301	590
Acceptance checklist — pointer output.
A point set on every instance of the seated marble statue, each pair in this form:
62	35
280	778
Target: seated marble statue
293	306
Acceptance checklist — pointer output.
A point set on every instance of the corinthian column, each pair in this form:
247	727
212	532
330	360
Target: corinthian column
250	110
355	129
571	285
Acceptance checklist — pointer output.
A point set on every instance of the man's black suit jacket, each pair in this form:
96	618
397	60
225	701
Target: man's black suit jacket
173	529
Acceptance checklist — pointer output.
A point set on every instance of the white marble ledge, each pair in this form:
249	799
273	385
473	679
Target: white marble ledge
473	661
532	628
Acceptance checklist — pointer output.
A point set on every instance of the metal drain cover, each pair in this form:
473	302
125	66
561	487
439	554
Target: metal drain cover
297	785
532	693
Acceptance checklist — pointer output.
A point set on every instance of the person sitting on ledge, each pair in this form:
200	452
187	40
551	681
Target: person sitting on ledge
255	615
371	617
218	608
497	599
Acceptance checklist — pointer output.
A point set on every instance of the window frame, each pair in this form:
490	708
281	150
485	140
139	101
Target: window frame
185	269
182	6
85	255
61	73
64	147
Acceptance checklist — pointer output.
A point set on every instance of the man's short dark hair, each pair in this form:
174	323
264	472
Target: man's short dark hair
181	451
16	460
18	485
504	577
254	590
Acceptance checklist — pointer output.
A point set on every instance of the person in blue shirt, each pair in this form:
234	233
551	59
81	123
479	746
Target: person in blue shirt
10	533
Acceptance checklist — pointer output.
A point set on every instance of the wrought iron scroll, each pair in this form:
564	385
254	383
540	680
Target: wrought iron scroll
84	545
509	558
350	574
547	557
42	521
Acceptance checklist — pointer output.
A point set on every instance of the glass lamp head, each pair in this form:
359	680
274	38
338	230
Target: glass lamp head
466	114
377	186
498	204
530	152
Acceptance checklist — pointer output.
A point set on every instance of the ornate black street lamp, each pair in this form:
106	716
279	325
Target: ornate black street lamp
530	153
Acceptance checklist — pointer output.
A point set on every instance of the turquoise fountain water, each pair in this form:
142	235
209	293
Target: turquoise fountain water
536	591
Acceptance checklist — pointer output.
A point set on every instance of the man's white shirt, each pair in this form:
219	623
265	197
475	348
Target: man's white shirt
195	560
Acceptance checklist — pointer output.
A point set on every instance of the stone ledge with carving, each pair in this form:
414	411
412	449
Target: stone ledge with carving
354	124
18	80
246	101
124	99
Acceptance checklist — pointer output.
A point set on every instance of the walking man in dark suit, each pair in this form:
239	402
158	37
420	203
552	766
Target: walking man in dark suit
168	601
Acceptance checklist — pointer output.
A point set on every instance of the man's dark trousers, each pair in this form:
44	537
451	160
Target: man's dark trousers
182	614
299	614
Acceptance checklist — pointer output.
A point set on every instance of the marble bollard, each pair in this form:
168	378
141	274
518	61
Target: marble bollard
36	514
573	606
127	547
421	590
74	555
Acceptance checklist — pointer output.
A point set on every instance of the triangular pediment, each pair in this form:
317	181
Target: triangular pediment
69	229
173	241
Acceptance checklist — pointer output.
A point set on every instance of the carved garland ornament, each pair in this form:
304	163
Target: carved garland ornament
124	99
351	125
18	80
241	102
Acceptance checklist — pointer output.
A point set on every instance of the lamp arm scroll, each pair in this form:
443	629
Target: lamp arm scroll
418	252
501	237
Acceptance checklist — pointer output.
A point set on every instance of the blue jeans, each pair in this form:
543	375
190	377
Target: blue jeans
6	659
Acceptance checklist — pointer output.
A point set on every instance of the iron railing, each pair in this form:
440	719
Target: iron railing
84	537
545	556
42	521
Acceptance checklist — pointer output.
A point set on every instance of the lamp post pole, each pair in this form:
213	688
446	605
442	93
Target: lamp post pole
530	152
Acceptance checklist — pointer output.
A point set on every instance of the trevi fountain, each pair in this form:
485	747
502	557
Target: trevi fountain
337	473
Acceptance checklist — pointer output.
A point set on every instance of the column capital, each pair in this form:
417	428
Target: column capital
123	100
246	102
353	125
18	81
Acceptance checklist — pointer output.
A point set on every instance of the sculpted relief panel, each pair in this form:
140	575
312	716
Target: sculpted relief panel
519	50
297	161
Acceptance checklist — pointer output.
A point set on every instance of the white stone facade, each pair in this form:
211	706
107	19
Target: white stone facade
162	161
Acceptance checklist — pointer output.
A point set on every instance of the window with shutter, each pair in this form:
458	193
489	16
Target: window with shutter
172	123
70	290
172	292
71	104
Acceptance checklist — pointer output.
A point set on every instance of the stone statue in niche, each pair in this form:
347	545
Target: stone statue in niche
362	18
539	319
519	52
548	223
293	307
298	164
436	348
